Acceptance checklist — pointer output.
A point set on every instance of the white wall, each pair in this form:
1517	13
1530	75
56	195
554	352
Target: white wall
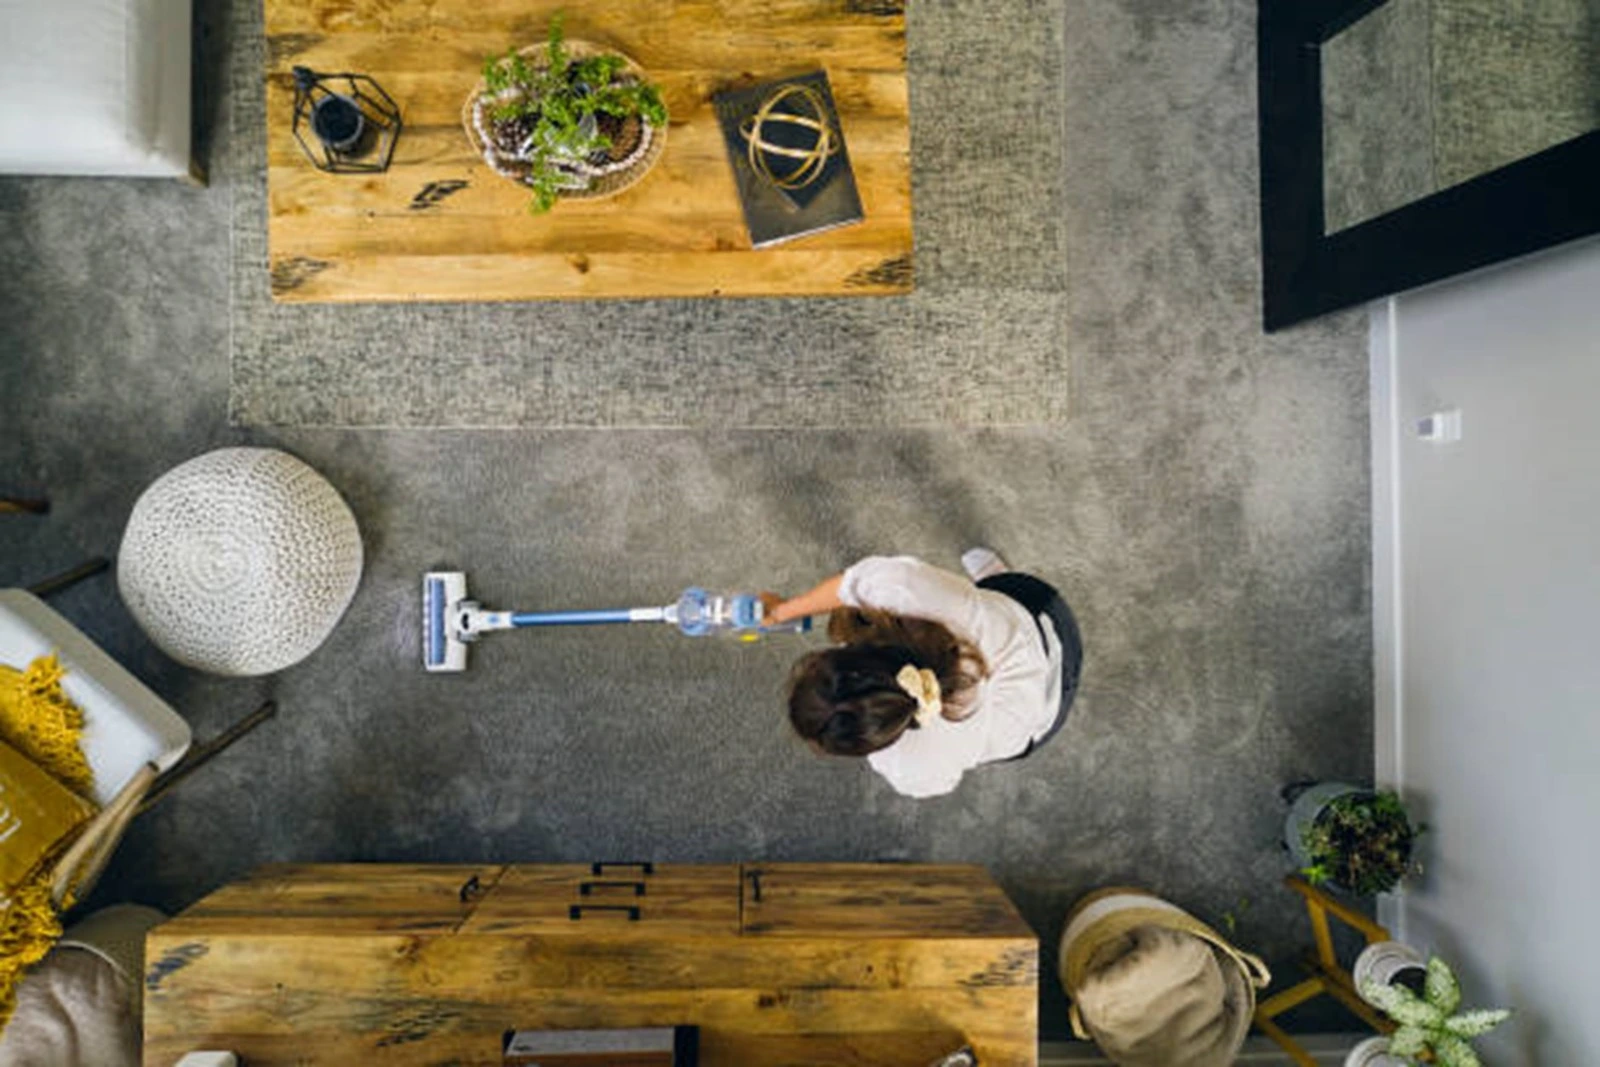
1487	593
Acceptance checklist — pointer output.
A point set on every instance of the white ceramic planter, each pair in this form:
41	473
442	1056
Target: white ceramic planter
1304	811
1373	1052
1383	962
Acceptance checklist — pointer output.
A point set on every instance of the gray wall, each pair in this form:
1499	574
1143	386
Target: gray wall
1487	592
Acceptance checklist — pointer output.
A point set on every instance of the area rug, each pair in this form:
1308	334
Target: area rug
981	342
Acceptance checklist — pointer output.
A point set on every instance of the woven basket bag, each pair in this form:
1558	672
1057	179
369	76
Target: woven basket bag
1108	929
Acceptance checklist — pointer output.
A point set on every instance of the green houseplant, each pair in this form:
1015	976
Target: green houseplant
1432	1022
1360	840
566	119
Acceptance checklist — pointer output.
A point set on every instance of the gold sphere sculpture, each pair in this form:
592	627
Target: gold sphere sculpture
802	107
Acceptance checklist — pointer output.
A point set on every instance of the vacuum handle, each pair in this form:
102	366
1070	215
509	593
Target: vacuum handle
592	617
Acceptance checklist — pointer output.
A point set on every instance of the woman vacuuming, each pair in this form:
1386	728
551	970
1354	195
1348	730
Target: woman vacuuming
933	673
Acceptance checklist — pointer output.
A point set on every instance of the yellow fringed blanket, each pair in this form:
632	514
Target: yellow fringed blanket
44	779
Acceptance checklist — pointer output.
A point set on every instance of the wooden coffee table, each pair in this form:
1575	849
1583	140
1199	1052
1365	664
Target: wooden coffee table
385	965
418	233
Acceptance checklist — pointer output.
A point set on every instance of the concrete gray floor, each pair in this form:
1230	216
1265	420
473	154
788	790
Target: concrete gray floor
1205	511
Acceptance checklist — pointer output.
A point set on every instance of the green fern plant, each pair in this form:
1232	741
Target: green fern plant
1432	1022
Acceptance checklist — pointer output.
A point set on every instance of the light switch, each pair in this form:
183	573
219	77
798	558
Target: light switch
1442	427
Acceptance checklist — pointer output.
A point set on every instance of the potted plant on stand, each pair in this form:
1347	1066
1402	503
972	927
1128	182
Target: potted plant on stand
566	119
1430	1023
1359	840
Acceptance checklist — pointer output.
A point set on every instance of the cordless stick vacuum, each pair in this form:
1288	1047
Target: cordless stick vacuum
451	621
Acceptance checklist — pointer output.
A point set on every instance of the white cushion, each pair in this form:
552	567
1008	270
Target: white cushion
73	1010
95	87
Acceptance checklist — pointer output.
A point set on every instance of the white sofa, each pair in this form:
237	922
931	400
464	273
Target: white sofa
96	87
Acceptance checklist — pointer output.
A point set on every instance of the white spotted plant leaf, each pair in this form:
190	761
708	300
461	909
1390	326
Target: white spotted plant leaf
1452	1051
1408	1042
1474	1023
1442	990
1402	1005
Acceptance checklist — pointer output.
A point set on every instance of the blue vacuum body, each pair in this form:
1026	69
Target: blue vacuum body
451	620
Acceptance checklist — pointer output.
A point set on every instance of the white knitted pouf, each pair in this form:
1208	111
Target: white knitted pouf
240	561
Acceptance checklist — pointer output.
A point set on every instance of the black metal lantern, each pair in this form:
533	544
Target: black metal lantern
344	123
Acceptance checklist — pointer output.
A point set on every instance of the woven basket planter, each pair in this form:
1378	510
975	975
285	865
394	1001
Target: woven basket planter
593	178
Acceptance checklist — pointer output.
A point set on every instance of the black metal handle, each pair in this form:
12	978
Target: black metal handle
470	889
575	912
755	886
646	868
587	888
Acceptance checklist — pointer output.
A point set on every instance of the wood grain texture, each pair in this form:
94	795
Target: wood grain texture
354	897
866	900
679	232
291	985
673	901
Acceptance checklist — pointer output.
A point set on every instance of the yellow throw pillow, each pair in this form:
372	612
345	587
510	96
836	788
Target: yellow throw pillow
36	814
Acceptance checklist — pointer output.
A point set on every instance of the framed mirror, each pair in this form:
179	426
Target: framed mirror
1406	141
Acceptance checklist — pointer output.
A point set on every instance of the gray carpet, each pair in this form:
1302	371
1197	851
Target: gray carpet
1205	510
981	342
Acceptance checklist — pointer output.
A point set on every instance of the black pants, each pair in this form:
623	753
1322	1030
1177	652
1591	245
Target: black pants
1041	598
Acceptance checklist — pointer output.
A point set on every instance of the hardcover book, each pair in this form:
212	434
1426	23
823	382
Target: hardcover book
774	213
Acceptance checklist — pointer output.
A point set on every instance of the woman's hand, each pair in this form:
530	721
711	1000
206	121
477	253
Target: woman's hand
770	602
819	601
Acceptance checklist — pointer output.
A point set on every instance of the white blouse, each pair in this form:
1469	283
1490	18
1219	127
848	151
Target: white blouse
1014	705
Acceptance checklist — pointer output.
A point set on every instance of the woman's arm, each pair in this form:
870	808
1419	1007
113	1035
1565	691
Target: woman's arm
819	601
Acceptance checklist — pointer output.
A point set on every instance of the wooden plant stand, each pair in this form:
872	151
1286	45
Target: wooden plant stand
1327	974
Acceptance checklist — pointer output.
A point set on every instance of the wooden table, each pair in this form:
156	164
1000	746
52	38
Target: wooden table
679	232
878	965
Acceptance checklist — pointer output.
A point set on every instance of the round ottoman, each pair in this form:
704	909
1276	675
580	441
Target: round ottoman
240	561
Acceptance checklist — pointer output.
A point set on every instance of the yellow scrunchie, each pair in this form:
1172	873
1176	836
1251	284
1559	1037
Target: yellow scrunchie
923	687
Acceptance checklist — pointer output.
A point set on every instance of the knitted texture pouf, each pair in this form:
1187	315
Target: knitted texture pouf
240	561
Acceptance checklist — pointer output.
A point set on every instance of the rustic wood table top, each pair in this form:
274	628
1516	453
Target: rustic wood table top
779	965
441	225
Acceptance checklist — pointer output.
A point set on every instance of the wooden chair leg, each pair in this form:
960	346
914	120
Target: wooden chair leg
1292	1048
56	583
81	864
205	752
15	505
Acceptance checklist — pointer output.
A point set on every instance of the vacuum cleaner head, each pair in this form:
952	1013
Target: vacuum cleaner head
444	597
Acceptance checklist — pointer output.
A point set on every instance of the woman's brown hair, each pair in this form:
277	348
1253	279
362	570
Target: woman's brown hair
846	699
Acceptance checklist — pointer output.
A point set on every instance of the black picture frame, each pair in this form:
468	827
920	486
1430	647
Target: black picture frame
1542	200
